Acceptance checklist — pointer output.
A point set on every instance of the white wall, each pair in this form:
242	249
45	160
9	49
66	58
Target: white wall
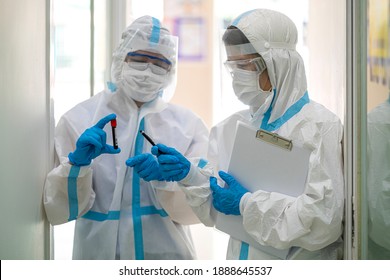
24	125
327	54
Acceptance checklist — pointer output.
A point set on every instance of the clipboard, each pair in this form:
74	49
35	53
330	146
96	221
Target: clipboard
261	160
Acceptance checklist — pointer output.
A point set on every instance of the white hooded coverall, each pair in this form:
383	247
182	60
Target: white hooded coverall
119	215
310	224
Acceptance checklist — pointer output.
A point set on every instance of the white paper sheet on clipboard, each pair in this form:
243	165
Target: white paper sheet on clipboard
264	165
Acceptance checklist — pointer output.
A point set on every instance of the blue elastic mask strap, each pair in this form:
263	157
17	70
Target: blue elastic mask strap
237	20
293	110
136	202
155	37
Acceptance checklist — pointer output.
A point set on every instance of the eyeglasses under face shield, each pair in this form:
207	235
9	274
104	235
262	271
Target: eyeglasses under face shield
156	50
141	61
253	64
241	54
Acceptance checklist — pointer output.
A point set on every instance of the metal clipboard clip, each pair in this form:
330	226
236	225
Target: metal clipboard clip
275	139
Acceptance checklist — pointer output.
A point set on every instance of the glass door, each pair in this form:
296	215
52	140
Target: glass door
368	127
376	203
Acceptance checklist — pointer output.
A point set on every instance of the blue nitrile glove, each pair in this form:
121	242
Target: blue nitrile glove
92	143
146	166
173	165
227	200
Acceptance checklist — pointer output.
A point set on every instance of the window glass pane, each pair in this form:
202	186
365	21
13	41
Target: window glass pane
70	81
71	48
101	46
378	132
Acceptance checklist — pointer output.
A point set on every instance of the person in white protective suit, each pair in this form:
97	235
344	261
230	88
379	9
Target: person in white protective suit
378	181
124	208
269	76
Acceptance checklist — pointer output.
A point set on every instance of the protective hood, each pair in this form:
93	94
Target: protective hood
147	34
274	36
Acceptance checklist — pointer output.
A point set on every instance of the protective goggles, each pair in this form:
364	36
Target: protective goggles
144	59
253	64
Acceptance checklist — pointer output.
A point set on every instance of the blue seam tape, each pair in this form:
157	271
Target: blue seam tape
136	201
292	111
244	251
115	215
267	114
155	36
72	192
202	163
237	20
111	86
100	217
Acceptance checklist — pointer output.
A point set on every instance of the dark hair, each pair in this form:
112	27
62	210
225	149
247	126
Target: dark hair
234	36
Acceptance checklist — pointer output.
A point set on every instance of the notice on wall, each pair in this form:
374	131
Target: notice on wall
186	19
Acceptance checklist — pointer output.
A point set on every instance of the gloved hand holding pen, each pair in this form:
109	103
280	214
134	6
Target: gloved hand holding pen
173	165
146	166
92	143
227	200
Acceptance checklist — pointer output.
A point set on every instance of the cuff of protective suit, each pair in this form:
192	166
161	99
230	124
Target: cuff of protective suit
192	173
161	184
243	201
194	177
83	169
79	165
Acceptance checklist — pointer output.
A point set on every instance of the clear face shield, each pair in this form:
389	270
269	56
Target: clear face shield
156	51
245	66
240	56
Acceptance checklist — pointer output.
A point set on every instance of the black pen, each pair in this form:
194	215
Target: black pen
147	138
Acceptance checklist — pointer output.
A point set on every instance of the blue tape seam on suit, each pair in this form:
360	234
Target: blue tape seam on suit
244	251
293	110
237	20
72	192
136	200
202	163
155	37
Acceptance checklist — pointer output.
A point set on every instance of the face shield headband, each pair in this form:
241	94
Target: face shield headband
236	44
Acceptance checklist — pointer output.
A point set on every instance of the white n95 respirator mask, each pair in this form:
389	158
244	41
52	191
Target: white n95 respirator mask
247	89
142	83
